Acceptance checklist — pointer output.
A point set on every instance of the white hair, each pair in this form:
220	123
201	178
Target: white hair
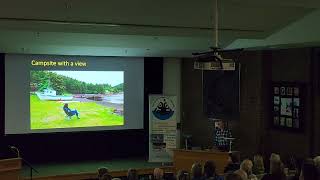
317	161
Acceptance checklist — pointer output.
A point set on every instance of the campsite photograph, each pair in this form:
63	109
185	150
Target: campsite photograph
70	99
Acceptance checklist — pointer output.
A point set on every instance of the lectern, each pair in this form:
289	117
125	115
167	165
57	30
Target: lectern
10	169
183	159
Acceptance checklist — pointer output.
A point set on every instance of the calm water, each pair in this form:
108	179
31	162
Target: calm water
116	98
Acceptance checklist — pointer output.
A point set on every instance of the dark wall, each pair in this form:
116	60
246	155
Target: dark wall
258	70
195	121
293	65
79	146
316	100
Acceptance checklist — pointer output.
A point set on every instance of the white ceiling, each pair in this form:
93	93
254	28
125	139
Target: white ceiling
165	28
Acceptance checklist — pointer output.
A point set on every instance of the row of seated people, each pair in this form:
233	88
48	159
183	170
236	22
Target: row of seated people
132	174
309	169
246	170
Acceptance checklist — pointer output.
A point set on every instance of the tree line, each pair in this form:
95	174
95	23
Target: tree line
41	80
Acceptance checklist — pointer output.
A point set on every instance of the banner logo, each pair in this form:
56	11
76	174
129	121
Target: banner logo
163	108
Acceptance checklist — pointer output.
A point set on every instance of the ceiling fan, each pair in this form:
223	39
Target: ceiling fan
213	60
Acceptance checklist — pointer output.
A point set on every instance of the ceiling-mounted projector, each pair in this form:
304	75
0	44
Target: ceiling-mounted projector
225	65
213	61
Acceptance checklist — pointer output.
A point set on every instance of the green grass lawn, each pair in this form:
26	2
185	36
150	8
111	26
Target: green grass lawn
49	115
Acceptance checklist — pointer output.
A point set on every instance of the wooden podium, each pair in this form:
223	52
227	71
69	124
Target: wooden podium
183	159
10	169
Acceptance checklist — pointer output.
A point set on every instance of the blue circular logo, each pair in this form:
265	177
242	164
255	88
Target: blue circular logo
163	108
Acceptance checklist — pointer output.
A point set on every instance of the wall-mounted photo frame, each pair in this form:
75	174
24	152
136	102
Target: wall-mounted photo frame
287	106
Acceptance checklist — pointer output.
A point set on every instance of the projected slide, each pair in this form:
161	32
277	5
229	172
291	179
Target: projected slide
69	99
53	93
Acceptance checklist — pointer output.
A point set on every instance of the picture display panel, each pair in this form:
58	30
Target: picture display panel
72	93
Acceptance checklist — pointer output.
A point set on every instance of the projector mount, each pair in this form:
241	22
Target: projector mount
212	60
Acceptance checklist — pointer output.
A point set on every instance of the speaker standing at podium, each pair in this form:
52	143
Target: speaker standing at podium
221	132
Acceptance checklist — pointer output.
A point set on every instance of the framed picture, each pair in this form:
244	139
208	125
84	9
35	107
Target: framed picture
276	100
289	91
296	91
288	106
282	121
289	122
283	91
276	120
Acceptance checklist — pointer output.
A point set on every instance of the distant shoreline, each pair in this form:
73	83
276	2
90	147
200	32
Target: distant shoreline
104	103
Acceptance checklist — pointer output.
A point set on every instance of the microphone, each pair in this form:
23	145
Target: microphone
16	150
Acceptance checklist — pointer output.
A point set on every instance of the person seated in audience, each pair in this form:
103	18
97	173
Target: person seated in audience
233	176
308	170
245	170
242	174
234	163
317	166
209	171
132	174
116	178
157	174
196	171
276	169
106	177
275	157
258	165
183	175
102	171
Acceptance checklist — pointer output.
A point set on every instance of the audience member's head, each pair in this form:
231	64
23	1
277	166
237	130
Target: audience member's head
317	161
308	170
276	170
242	174
196	171
233	176
102	171
258	165
115	178
183	175
275	164
106	177
209	169
158	174
132	174
246	166
275	157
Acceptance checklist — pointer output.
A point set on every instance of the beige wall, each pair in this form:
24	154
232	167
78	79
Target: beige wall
172	85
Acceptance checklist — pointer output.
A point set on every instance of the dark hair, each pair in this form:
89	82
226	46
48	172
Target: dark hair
308	169
233	176
209	169
65	105
132	174
106	177
183	175
102	171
